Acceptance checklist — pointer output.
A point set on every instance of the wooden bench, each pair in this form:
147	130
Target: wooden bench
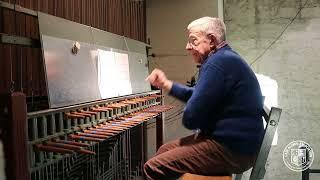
271	116
189	176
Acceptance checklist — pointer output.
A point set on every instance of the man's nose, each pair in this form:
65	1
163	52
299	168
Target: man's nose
188	46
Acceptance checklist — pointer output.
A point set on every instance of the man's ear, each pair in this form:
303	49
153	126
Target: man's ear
213	40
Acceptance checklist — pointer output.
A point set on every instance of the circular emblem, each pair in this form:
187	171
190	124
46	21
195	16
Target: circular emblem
298	156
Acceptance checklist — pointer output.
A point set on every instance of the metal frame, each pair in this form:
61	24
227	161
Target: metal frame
272	117
50	111
13	113
18	40
18	8
306	173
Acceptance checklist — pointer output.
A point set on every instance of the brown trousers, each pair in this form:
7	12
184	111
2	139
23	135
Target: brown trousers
201	155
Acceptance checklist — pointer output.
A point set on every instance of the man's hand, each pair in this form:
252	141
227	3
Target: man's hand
158	79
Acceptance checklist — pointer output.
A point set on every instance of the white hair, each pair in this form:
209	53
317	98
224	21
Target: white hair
210	25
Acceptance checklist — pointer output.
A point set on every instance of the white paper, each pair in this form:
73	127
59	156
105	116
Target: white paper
113	74
123	73
106	63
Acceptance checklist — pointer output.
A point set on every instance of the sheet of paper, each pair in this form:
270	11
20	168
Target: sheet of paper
106	73
123	74
113	74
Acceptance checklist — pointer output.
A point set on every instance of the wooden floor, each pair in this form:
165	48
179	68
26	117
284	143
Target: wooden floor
198	177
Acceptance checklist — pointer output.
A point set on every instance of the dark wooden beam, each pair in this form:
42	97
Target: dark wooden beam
13	113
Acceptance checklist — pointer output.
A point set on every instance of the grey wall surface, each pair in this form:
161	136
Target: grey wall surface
292	60
167	21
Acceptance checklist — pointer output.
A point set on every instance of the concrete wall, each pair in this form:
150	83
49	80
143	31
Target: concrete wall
292	60
166	27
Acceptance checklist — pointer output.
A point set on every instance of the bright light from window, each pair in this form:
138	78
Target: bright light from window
269	88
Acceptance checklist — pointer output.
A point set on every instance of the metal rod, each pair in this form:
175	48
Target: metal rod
314	170
49	111
72	143
84	138
47	148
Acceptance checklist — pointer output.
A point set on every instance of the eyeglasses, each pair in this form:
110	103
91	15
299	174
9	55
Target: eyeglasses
193	41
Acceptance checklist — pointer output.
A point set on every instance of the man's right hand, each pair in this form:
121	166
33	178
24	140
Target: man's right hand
158	79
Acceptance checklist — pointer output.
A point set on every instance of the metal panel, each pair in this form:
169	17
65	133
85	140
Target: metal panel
71	79
68	75
107	39
138	72
135	46
62	28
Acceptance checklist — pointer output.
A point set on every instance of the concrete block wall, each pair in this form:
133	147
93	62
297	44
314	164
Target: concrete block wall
292	60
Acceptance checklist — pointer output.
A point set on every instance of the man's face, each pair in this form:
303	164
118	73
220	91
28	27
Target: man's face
198	45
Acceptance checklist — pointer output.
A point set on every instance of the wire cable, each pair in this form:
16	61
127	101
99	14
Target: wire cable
278	37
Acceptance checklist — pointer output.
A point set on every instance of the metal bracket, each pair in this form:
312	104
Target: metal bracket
18	40
18	8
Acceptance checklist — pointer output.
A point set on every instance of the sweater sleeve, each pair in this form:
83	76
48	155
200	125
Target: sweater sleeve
205	98
181	92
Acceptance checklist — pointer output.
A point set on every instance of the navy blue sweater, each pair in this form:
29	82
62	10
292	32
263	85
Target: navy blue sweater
226	102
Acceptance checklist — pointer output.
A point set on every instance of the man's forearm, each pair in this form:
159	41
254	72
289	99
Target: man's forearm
167	86
181	92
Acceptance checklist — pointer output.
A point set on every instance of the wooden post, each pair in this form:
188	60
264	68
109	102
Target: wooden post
160	126
144	142
159	130
13	113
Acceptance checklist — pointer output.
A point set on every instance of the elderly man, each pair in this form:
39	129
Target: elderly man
225	105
